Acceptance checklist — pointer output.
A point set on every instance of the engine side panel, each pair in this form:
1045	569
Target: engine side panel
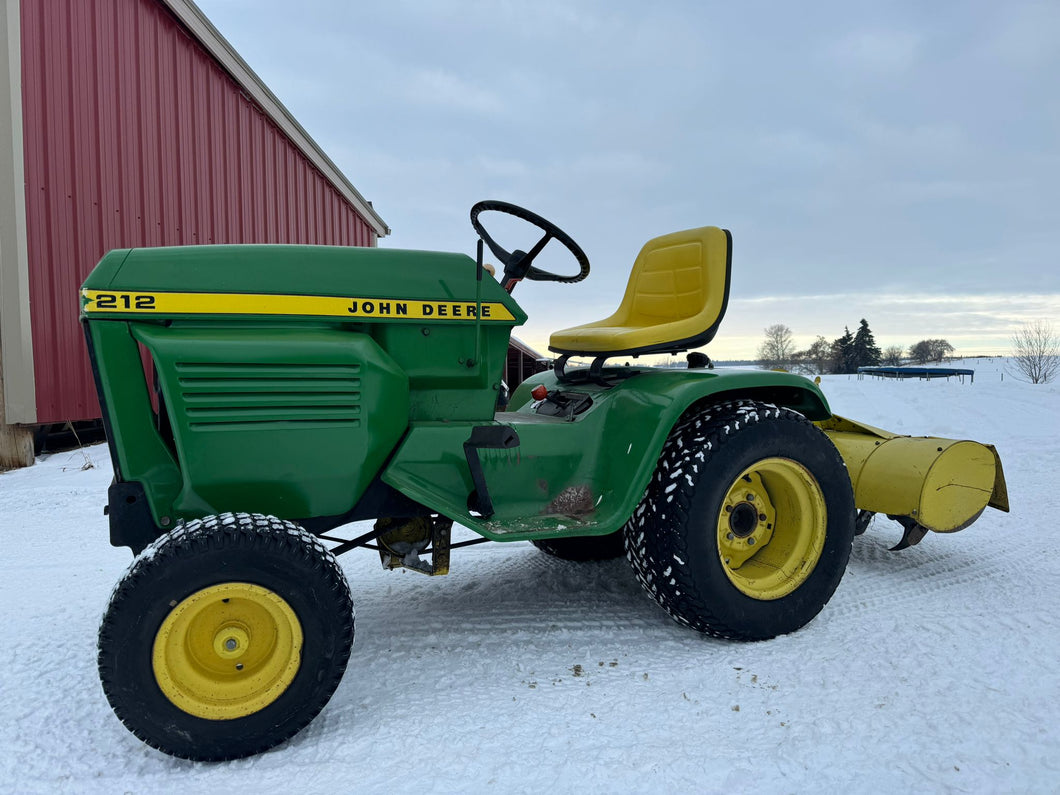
291	422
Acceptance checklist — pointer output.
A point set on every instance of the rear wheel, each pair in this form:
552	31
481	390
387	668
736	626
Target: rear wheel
746	527
226	637
584	548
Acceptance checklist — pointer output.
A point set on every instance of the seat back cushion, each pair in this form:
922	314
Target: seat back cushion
676	296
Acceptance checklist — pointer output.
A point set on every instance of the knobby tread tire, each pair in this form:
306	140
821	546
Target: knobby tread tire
263	550
584	548
671	538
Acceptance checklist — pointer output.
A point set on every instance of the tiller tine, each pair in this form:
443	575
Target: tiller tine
912	534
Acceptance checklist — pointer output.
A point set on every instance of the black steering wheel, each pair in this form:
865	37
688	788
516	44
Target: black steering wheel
518	264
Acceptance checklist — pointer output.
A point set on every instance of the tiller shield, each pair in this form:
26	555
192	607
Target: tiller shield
923	482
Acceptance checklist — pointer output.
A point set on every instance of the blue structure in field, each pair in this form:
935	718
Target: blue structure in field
916	372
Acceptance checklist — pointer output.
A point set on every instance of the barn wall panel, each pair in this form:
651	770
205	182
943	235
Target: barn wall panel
136	136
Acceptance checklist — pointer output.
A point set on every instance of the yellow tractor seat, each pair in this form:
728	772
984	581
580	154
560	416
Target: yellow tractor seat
675	299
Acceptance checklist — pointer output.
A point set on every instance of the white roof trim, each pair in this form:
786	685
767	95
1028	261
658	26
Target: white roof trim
521	346
192	17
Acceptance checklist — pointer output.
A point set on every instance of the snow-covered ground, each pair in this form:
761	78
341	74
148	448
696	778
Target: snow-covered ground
933	669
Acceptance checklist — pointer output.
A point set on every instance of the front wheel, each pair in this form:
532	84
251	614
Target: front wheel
746	528
226	637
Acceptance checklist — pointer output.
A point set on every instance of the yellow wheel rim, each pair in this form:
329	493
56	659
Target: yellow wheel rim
227	651
771	528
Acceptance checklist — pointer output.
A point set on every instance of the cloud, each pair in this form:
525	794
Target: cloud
441	88
879	52
851	149
507	167
1027	35
981	323
631	164
798	147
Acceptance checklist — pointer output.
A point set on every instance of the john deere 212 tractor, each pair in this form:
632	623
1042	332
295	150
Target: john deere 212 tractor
259	398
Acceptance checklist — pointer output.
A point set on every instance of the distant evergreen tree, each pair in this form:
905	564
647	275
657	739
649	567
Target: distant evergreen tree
864	351
843	353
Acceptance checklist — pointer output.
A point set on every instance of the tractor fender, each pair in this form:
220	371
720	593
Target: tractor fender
578	477
646	408
682	388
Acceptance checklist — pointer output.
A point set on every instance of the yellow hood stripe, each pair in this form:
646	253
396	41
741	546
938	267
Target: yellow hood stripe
105	302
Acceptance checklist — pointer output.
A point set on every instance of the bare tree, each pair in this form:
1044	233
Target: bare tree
892	356
777	348
940	349
815	359
1036	352
930	351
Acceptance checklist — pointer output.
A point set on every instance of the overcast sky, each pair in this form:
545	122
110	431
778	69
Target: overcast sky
893	161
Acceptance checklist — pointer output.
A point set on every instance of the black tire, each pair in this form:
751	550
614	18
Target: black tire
584	548
696	558
198	602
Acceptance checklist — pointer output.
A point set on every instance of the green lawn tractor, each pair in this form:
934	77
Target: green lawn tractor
260	399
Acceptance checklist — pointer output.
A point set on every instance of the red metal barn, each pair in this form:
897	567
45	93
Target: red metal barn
522	362
132	123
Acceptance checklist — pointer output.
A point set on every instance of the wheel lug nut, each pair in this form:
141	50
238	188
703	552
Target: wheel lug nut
750	542
750	498
761	517
231	644
728	509
730	536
